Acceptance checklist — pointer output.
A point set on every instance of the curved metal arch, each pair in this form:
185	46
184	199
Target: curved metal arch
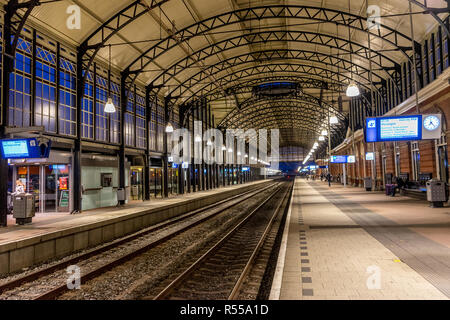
305	82
237	114
261	69
274	111
299	96
434	15
248	58
133	11
260	13
265	37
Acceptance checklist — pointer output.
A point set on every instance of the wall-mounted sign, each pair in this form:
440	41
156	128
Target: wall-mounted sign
351	159
404	128
370	156
185	165
170	159
24	149
245	169
338	159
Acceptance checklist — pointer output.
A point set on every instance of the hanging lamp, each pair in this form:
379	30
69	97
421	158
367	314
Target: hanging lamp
109	106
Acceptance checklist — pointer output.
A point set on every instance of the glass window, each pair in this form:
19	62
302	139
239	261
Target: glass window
101	118
141	139
20	86
67	97
87	111
45	103
129	121
115	117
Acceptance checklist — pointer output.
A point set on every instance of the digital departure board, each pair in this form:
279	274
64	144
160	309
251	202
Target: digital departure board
400	128
15	149
29	148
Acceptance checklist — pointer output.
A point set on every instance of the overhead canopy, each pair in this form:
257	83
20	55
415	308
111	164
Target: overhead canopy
222	49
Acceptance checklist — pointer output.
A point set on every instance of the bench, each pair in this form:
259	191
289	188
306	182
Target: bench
414	193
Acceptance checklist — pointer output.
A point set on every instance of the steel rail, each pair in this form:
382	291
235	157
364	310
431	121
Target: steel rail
186	273
58	291
116	243
237	287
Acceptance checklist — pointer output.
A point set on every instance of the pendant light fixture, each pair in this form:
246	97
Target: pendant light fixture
352	89
169	128
109	106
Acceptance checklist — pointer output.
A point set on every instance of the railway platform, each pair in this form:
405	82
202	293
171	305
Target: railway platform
349	244
57	235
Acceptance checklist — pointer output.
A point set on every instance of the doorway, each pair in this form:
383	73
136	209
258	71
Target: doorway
50	185
136	180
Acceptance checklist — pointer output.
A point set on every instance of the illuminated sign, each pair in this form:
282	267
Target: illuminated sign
370	156
338	159
15	149
24	149
351	159
404	128
245	169
185	165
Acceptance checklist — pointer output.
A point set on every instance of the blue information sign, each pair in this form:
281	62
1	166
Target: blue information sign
400	128
24	149
338	159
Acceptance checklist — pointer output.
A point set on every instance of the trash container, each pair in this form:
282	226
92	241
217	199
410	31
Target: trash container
368	183
121	194
436	193
23	208
389	189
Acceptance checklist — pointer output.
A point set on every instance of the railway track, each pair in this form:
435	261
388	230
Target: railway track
45	291
223	270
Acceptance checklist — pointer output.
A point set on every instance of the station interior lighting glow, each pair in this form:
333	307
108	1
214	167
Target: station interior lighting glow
169	128
352	90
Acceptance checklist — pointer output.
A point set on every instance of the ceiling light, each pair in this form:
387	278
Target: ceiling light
224	148
324	132
109	106
230	150
209	143
321	138
352	90
198	138
334	120
169	128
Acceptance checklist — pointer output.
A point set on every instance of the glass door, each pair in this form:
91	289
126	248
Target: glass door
136	183
56	188
50	189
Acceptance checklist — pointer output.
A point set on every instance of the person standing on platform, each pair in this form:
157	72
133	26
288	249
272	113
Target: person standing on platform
329	179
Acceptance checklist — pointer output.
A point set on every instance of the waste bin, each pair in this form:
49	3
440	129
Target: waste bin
121	194
368	183
389	189
135	192
23	208
436	193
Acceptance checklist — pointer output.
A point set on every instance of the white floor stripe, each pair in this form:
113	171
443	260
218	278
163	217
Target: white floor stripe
278	276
